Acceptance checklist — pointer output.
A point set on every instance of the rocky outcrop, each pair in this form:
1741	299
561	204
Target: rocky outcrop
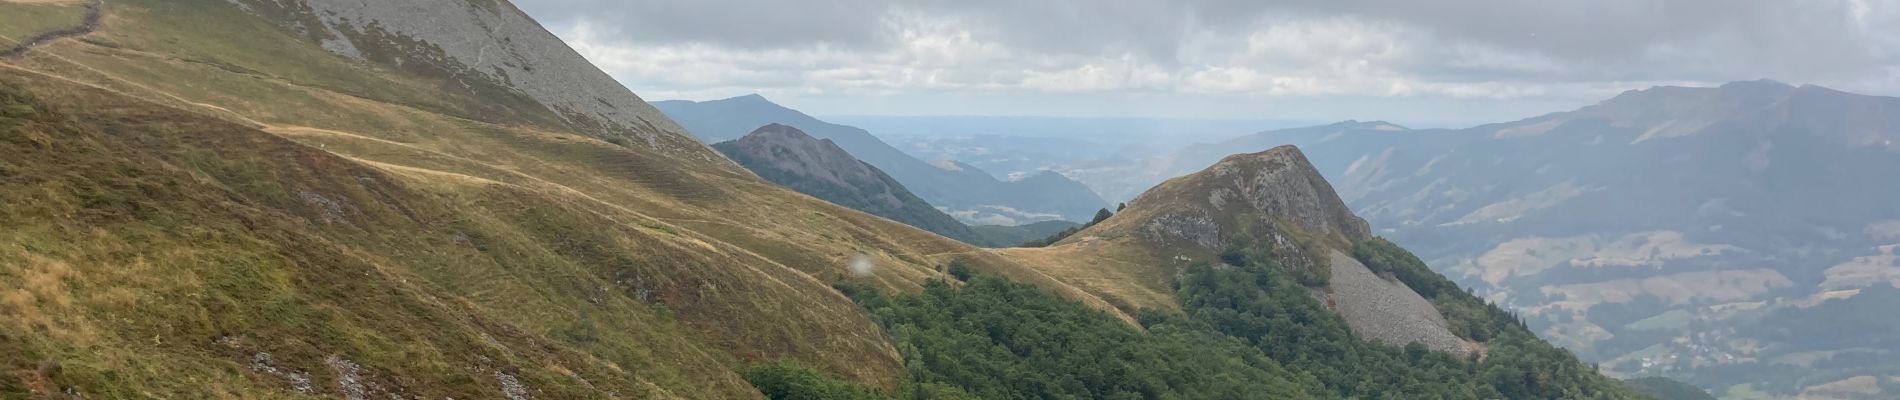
1386	310
1277	185
489	48
1281	183
1276	200
1194	228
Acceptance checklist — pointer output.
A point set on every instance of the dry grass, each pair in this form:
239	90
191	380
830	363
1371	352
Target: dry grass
22	19
46	2
254	202
1120	273
377	220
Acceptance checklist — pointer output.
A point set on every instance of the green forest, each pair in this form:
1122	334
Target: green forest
1247	329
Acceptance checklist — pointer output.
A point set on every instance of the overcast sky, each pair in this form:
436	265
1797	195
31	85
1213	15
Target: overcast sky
1400	60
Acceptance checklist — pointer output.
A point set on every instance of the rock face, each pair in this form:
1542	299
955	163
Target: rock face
1386	310
1278	200
818	167
1275	185
1282	183
490	48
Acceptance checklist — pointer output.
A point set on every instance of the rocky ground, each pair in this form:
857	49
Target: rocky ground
1386	310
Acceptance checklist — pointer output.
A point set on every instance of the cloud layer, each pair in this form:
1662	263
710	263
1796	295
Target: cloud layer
1474	51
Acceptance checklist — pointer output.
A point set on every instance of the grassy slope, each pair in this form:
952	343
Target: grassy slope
515	245
158	253
568	231
19	21
394	118
1112	261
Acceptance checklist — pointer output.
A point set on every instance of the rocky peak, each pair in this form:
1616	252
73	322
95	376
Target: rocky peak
1281	183
1277	186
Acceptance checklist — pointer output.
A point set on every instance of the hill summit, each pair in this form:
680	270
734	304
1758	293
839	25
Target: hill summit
1277	184
818	167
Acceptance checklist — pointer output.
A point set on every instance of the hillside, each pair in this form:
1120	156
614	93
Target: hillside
332	199
240	183
786	156
967	192
1652	231
1257	241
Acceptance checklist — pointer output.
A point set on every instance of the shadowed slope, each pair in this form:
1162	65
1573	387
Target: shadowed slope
788	157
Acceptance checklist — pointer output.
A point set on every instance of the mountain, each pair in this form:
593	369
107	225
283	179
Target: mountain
1256	241
964	191
1277	197
786	156
289	199
420	199
1664	231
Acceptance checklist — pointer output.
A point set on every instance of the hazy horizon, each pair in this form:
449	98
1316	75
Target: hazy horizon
1438	64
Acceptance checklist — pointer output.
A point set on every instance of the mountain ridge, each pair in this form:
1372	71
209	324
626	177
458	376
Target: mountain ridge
787	156
1277	197
970	194
1270	219
1584	219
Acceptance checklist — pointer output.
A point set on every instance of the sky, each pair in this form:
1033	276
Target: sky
1409	61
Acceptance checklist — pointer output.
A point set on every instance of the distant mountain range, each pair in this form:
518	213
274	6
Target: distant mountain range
1671	230
818	167
962	190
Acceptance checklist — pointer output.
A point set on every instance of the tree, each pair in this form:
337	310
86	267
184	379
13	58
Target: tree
960	270
787	380
1101	215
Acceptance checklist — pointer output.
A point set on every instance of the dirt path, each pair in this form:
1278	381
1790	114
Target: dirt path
94	10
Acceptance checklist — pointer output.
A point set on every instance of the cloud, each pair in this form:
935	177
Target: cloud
1454	49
